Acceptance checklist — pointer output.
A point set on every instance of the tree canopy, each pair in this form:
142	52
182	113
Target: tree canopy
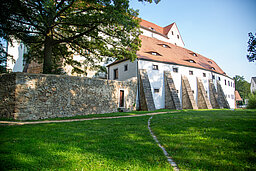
251	48
242	86
3	58
55	30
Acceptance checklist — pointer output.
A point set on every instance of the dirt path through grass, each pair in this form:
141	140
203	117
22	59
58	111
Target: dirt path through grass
76	120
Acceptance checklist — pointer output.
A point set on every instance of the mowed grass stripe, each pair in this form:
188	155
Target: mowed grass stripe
209	140
119	144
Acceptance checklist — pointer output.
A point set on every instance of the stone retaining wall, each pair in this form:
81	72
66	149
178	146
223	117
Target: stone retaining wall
26	96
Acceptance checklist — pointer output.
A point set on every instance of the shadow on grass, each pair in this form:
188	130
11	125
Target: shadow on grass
117	144
209	140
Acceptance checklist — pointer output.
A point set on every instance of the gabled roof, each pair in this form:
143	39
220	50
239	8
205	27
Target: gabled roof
161	30
175	55
237	96
157	29
167	29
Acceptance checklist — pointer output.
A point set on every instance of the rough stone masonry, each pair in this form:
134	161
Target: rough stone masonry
26	96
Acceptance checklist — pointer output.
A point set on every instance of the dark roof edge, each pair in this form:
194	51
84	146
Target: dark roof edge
116	62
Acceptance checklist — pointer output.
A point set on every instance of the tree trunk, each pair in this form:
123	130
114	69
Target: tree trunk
47	66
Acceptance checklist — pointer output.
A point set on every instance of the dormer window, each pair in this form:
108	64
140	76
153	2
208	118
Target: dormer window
154	53
164	45
212	68
151	28
191	61
210	62
194	54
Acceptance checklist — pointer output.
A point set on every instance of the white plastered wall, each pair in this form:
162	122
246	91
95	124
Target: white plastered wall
122	74
17	50
156	78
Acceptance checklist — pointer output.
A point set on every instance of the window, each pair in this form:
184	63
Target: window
206	92
177	91
126	67
115	74
193	91
190	72
194	54
204	74
175	43
172	33
178	36
191	61
212	68
225	82
219	78
154	53
151	28
156	90
175	69
155	67
228	83
121	98
210	62
165	46
231	84
213	77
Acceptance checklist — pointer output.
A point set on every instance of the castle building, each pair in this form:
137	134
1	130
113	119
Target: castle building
171	76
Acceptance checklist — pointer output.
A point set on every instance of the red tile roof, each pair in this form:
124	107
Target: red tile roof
162	30
237	96
174	54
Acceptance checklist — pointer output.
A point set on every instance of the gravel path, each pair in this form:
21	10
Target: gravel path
168	157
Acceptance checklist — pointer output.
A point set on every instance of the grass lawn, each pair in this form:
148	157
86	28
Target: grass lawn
209	140
118	144
197	140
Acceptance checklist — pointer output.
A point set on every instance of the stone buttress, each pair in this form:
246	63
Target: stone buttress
188	101
222	97
203	101
172	100
146	97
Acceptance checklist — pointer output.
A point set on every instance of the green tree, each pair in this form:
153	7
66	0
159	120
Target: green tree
242	86
251	48
54	30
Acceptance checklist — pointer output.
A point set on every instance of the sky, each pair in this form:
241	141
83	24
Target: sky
216	29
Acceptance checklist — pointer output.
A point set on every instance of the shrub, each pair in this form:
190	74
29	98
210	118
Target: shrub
252	101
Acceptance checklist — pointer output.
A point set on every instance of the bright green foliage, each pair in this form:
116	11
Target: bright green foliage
242	86
117	144
56	30
252	101
209	140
